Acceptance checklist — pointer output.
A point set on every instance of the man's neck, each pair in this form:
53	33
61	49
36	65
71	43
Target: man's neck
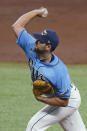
45	57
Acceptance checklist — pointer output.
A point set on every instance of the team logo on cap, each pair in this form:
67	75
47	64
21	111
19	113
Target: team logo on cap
44	32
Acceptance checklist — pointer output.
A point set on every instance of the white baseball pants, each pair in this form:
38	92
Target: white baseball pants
68	117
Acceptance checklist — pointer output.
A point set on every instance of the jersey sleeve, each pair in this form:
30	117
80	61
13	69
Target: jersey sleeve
25	41
63	89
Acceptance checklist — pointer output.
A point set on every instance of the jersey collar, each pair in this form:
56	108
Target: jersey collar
52	63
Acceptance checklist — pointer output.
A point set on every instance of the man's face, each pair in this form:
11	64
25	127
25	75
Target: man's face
40	47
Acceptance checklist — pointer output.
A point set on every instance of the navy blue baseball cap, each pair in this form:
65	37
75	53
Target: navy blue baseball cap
48	37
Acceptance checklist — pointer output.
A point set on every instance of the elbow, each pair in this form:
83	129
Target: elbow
16	29
14	26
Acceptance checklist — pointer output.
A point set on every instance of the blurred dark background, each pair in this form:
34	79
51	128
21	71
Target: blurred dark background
67	18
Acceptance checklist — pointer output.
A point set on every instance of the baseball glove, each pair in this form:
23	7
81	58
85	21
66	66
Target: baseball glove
41	87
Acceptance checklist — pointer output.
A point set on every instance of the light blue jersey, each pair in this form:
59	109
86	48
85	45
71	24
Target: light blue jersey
54	72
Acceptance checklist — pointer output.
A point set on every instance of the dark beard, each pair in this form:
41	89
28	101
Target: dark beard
39	51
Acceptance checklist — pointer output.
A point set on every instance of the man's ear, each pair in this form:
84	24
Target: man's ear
48	47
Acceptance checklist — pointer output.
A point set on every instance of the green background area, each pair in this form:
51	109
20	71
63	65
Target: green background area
17	103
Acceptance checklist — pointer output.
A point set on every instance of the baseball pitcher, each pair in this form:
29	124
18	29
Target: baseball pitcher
51	81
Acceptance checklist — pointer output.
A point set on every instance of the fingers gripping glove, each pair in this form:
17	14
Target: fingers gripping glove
41	87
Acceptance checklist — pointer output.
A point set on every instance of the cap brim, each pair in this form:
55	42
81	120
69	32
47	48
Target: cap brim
38	37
